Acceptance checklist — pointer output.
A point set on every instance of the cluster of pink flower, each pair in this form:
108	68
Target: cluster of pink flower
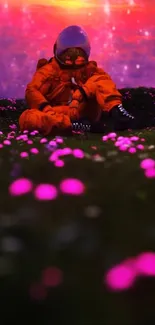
123	276
125	143
45	192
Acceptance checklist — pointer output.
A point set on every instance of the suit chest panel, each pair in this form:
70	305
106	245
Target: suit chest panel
64	77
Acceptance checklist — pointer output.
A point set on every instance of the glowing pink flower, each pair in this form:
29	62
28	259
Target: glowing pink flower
147	163
123	147
52	143
140	147
112	135
29	142
59	140
13	126
145	264
134	138
24	154
120	277
67	151
132	150
53	156
35	151
20	186
72	186
7	142
150	173
43	140
105	138
59	163
45	192
78	153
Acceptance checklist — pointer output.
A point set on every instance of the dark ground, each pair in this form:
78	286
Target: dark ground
83	236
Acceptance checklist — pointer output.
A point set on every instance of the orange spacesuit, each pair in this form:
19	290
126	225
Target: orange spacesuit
68	87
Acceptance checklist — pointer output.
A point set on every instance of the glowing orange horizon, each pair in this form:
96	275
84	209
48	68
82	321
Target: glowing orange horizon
77	4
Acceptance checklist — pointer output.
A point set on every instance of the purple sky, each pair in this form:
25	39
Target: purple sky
122	39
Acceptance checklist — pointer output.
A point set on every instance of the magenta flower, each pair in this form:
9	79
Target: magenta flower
13	126
20	186
145	264
67	151
32	133
52	143
7	142
140	147
123	147
72	186
150	173
78	153
59	140
35	151
53	156
59	163
134	138
105	138
43	140
147	163
112	135
45	192
120	277
29	142
24	154
132	150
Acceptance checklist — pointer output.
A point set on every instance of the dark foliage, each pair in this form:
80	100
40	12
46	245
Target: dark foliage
138	101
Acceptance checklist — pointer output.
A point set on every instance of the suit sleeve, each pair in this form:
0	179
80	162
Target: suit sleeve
104	89
33	95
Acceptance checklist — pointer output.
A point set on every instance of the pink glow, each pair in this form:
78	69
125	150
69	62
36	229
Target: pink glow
145	264
120	277
150	173
72	186
147	163
20	186
78	153
45	192
59	163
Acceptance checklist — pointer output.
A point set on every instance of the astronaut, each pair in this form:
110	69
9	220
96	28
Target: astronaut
69	88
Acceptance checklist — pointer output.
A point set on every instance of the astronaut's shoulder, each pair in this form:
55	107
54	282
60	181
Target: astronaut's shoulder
102	72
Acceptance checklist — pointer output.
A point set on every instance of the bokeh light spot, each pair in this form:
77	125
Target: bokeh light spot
45	192
52	277
145	264
20	186
120	277
72	186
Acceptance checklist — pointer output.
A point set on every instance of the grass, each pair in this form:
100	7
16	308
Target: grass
83	236
63	232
